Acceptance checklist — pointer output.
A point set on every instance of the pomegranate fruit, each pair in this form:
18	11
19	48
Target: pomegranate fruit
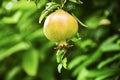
60	26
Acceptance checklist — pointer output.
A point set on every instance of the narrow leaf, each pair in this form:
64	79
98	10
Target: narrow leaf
111	47
64	62
77	61
82	74
59	56
101	72
13	72
81	23
109	40
12	50
103	63
13	19
76	1
50	7
59	68
103	77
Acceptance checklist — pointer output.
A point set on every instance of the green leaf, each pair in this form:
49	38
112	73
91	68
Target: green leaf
88	61
49	8
59	56
59	68
10	39
63	1
36	34
100	72
13	72
30	62
110	40
61	59
107	61
64	62
76	1
13	19
83	74
36	2
86	43
93	20
76	38
109	45
40	3
118	42
14	49
76	61
80	22
103	77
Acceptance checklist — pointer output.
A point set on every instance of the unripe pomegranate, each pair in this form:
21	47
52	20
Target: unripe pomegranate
60	26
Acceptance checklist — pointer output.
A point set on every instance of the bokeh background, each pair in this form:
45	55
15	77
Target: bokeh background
26	54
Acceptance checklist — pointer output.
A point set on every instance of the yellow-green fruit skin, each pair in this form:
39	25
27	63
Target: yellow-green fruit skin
60	26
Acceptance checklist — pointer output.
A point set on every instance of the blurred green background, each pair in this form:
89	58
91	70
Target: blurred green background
26	54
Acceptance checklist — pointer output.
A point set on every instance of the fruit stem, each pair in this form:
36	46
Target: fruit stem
62	3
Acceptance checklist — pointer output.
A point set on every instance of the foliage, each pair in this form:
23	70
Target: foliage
25	53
